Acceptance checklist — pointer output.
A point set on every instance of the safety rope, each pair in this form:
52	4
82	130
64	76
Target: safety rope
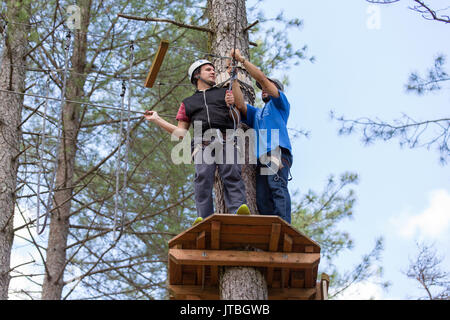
118	167
233	71
121	192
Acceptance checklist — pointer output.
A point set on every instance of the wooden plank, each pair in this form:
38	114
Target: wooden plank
299	237
297	279
175	270
309	280
244	258
212	293
245	238
189	278
215	235
273	246
201	244
156	64
237	229
215	245
251	220
287	247
309	249
274	237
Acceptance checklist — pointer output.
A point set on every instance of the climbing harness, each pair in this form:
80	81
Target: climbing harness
278	162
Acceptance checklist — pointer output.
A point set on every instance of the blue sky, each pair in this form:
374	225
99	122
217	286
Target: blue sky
403	194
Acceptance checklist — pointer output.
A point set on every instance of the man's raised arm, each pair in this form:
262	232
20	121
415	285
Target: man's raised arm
267	85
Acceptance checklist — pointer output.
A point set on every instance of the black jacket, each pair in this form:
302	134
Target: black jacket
210	108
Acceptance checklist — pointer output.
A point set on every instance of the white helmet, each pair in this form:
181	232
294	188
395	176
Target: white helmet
195	65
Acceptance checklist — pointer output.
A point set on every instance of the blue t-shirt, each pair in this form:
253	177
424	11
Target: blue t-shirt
273	116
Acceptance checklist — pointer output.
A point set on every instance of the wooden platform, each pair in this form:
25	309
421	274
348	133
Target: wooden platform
288	259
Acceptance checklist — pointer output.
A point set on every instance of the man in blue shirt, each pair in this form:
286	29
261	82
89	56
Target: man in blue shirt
273	149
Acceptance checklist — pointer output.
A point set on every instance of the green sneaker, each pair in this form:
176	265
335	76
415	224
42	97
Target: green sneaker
243	210
197	221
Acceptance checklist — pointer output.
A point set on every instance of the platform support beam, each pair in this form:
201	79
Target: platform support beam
215	245
287	247
273	246
201	244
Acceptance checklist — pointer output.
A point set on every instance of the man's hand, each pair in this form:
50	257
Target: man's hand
229	98
237	55
151	115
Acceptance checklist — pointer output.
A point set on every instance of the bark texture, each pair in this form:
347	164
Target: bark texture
223	22
237	283
59	223
232	286
12	77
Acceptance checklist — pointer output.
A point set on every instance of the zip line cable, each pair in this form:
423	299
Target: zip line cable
80	102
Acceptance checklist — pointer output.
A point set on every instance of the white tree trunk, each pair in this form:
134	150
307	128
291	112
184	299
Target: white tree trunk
12	77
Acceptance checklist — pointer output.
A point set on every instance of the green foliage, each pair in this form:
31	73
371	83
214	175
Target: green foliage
368	270
318	216
433	80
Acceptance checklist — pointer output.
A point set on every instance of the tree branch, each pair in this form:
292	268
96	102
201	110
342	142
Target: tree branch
179	24
445	19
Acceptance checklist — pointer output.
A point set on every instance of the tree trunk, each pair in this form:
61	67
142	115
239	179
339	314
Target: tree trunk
235	283
12	77
59	223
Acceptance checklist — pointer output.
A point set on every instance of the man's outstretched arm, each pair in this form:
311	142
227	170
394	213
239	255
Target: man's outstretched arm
179	131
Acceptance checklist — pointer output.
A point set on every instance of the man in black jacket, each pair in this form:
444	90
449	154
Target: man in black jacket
209	107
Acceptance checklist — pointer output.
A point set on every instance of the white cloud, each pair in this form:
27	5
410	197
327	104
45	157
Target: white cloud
433	222
362	291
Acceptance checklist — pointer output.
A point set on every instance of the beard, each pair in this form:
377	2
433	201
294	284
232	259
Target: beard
266	99
208	82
